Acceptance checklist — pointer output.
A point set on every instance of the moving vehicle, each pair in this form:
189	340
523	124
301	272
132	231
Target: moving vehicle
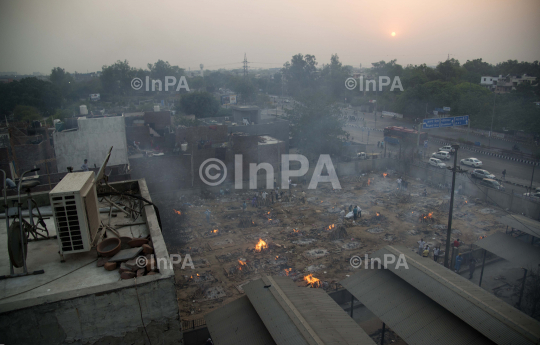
535	195
363	155
441	155
448	148
391	140
473	162
492	184
437	163
481	174
405	134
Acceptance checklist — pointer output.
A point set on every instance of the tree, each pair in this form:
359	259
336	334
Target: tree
300	74
161	69
200	104
26	113
316	126
63	80
40	94
116	78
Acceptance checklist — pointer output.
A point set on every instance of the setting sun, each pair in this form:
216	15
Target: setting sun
393	34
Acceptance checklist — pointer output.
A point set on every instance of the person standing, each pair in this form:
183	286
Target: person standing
399	183
457	265
436	252
303	197
421	245
272	195
264	194
84	167
457	243
350	208
472	267
359	211
244	206
425	253
504	174
355	212
207	213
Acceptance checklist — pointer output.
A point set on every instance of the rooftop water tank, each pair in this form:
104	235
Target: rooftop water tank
83	110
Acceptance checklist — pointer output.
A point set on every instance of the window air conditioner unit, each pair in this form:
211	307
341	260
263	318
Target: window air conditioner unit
76	213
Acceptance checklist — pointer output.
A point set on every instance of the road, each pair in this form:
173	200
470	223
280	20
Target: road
515	172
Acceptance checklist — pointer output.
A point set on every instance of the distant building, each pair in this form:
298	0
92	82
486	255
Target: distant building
503	84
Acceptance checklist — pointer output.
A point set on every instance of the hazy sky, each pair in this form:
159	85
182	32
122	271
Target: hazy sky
81	36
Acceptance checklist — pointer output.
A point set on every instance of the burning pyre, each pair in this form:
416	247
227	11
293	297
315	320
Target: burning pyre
311	280
261	245
427	218
177	212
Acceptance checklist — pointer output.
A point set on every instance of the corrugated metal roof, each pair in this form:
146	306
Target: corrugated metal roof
412	315
329	321
309	314
237	323
512	249
522	223
483	311
274	317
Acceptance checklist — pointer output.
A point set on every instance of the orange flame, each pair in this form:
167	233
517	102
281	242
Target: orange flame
177	212
287	271
261	245
268	212
385	174
330	227
277	257
294	230
466	201
311	280
198	275
215	231
321	201
378	214
368	181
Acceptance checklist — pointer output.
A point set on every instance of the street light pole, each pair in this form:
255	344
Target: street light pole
449	230
492	117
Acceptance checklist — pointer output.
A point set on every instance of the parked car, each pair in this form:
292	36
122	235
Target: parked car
535	195
437	163
492	184
448	149
441	155
481	174
473	162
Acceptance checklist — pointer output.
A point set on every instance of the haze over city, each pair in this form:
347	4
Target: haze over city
37	36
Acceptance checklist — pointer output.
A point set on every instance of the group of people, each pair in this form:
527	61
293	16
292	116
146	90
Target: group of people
263	198
423	250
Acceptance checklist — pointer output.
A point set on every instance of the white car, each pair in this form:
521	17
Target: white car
437	163
441	155
535	195
448	149
473	162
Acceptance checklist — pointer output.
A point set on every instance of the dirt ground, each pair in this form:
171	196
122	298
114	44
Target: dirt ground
308	238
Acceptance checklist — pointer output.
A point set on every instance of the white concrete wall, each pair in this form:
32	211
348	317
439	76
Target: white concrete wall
92	141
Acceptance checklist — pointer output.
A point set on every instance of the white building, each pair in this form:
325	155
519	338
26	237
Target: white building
507	83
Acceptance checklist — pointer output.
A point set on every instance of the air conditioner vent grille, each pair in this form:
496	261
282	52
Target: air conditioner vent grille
69	230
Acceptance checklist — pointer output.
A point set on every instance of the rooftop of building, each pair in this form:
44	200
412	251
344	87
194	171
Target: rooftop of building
78	275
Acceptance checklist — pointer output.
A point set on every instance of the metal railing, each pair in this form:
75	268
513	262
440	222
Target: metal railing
193	324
